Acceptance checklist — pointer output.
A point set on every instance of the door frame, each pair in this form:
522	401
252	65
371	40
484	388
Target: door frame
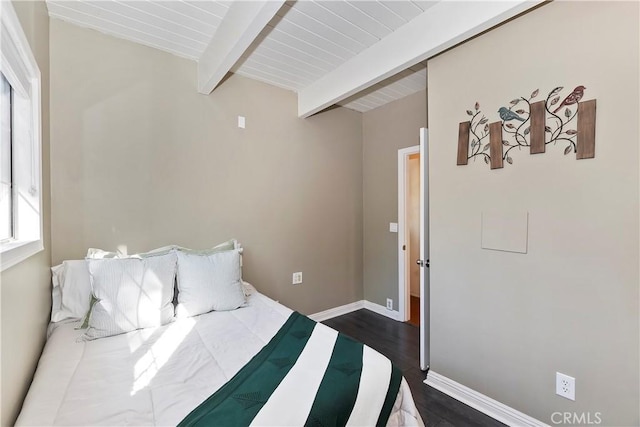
404	294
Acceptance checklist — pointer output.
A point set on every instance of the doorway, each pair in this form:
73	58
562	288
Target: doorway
409	234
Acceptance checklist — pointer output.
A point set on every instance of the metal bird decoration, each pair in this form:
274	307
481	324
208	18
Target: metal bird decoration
549	128
573	98
506	115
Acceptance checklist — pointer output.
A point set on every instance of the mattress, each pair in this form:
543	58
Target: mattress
156	376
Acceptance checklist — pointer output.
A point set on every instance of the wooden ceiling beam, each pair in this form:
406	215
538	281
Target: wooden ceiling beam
241	25
438	28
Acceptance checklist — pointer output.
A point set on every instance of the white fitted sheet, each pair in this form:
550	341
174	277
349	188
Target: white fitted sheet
156	376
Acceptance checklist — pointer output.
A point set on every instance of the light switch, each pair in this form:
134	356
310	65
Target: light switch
393	227
241	122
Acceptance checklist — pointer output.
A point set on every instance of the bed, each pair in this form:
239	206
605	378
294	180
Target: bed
166	375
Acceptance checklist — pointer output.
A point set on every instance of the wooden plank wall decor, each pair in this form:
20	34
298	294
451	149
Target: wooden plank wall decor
586	141
537	117
561	117
495	139
463	142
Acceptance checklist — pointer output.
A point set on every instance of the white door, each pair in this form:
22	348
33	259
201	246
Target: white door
423	262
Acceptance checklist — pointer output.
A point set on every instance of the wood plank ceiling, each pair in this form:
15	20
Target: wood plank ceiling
304	41
183	28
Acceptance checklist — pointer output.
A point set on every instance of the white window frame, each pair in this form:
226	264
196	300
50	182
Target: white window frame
20	68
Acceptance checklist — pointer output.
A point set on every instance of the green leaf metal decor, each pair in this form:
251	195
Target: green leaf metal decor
551	122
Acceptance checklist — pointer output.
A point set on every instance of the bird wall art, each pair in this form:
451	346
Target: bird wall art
573	98
527	122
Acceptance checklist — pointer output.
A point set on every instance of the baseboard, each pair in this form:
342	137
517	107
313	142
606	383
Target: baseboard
380	309
337	311
479	401
348	308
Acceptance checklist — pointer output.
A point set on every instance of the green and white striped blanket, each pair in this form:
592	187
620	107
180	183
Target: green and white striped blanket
308	374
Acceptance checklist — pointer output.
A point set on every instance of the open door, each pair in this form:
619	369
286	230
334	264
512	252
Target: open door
423	262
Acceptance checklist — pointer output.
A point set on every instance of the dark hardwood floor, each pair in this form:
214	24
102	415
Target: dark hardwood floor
400	343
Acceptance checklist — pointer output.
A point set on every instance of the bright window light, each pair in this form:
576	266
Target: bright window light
160	352
6	186
20	144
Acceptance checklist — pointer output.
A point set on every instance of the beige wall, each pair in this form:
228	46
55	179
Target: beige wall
504	323
140	159
25	288
386	130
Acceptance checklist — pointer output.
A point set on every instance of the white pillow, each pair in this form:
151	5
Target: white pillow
71	290
56	294
209	282
248	288
94	253
131	294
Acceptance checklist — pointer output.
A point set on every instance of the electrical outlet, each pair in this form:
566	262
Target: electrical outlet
389	304
565	386
297	278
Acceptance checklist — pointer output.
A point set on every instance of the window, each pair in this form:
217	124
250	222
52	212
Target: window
6	190
20	161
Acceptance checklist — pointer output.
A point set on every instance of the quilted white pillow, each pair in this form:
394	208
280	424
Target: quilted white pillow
209	282
131	294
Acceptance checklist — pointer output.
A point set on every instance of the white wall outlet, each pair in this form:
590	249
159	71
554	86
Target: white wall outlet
393	227
389	304
565	386
297	278
241	122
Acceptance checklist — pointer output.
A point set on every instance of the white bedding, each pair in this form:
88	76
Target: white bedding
156	376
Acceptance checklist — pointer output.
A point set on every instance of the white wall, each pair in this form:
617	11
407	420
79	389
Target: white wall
504	323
